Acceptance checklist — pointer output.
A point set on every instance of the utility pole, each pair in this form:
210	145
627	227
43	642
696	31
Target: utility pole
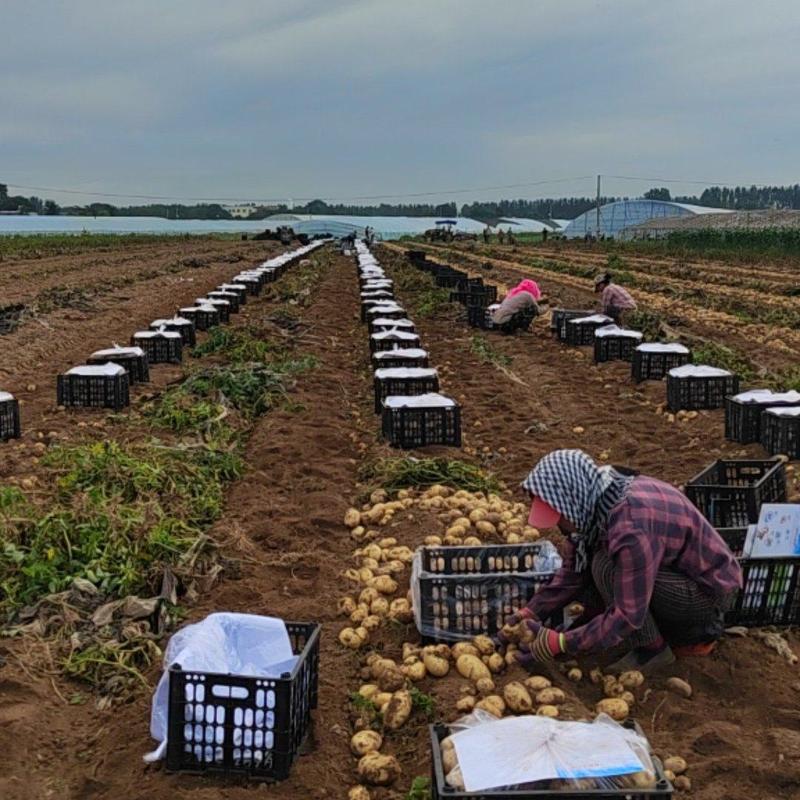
597	224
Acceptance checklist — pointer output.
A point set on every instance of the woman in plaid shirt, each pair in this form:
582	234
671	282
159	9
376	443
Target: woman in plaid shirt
614	300
638	549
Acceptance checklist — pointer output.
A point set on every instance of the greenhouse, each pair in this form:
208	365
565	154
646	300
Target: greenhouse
615	217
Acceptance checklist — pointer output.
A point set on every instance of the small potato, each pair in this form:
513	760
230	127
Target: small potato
485	686
484	645
415	671
398	710
551	697
629	698
494	704
349	638
537	682
368	690
547	711
615	707
360	614
371	623
596	676
410	649
575	675
382	699
510	657
682	783
472	667
368	595
379	607
455	780
465	704
400	610
517	698
612	687
441	650
352	517
346	606
365	575
391	680
676	764
358	532
495	662
679	687
433	541
436	665
377	769
472	541
365	742
379	665
358	793
632	679
464	648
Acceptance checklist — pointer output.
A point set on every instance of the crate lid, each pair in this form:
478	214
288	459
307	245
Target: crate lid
590	320
211	301
766	396
615	330
153	334
384	308
157	323
5	397
394	334
221	293
663	347
784	411
405	352
699	371
405	372
118	351
430	400
397	323
239	286
97	370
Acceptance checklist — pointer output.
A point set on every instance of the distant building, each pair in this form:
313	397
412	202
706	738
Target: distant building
243	210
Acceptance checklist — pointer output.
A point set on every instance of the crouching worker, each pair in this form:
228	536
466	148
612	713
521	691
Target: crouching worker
652	573
518	309
615	301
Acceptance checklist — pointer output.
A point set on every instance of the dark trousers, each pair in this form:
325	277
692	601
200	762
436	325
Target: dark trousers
679	611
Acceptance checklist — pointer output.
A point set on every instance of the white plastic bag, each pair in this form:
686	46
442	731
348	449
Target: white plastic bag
224	643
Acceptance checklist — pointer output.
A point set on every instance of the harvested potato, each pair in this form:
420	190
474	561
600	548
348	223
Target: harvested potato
400	610
385	584
358	793
350	638
368	690
410	649
615	707
638	780
484	645
632	679
485	528
455	780
464	648
575	675
547	711
484	686
365	575
669	775
391	680
347	605
465	704
676	764
449	757
377	769
537	682
365	742
352	517
517	698
493	703
511	656
378	665
379	607
472	541
552	696
381	700
436	665
433	541
472	667
682	783
596	676
680	687
398	710
358	532
360	614
371	623
495	662
612	687
415	671
628	697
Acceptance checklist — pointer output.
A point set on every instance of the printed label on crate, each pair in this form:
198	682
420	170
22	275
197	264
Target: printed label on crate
520	750
777	533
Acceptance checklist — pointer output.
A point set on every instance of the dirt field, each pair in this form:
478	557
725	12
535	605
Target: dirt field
283	534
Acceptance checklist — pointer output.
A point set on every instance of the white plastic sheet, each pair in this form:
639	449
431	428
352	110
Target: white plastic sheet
225	643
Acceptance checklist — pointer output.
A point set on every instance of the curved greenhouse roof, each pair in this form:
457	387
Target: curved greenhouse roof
384	227
615	217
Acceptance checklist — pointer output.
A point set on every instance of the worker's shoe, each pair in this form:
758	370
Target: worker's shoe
697	650
646	661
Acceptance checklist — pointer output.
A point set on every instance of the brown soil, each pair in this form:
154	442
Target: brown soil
739	732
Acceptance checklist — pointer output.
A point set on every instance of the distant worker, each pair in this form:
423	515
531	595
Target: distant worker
518	309
500	236
615	301
544	235
510	237
486	234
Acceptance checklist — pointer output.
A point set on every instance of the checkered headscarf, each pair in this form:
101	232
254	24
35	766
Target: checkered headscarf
571	482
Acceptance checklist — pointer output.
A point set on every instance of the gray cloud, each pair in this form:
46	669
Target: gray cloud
260	99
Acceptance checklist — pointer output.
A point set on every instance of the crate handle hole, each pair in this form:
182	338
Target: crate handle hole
235	692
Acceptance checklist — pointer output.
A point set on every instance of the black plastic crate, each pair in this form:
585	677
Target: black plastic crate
479	317
231	297
236	725
743	420
770	593
409	427
582	333
450	280
560	317
440	790
734	538
135	364
412	384
202	317
653	366
237	288
272	274
223	307
730	493
93	391
160	347
252	282
9	417
390	359
689	393
181	325
475	297
466	591
615	348
780	434
392	340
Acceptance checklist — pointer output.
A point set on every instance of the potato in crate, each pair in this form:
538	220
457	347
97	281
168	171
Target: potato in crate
653	360
9	417
693	386
427	419
461	592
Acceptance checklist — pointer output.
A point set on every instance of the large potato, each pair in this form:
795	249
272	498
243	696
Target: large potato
675	764
551	697
384	584
378	665
347	605
398	710
465	704
378	770
472	667
547	711
484	686
352	517
351	638
415	671
436	665
495	662
464	648
615	707
400	610
517	698
484	645
365	742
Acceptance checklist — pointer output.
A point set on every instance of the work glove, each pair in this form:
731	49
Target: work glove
545	645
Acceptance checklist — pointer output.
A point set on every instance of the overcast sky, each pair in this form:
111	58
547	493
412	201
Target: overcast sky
341	99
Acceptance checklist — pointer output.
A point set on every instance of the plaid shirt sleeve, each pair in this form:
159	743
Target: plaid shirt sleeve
616	297
564	587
